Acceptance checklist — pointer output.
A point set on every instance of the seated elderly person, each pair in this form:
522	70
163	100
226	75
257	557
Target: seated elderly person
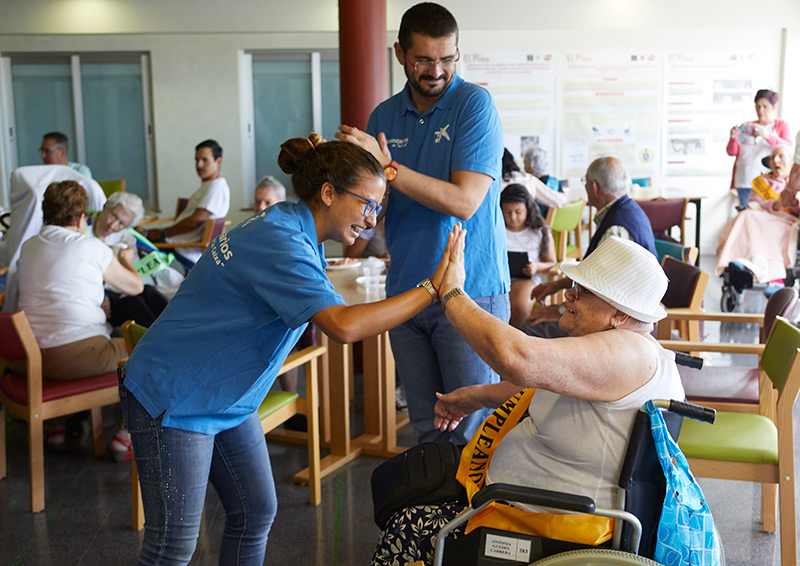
269	191
61	276
589	386
123	210
763	236
545	196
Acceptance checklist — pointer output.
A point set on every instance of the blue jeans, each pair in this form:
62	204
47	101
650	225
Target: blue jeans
175	467
744	195
431	357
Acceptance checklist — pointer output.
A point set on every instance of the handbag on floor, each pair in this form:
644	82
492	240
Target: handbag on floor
686	533
422	475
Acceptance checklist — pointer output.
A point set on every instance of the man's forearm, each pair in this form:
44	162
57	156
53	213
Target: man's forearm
461	196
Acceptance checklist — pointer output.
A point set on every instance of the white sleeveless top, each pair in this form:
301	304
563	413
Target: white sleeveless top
577	446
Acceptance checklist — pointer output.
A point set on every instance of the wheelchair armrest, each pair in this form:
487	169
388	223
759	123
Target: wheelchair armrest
533	496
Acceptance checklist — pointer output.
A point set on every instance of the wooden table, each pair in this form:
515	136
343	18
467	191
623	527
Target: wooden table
381	420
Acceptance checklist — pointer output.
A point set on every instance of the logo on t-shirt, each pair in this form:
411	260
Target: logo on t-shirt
397	142
442	133
221	250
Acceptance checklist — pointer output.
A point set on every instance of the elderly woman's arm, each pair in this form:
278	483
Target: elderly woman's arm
122	275
604	366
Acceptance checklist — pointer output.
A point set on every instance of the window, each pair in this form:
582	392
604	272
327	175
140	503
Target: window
100	101
293	94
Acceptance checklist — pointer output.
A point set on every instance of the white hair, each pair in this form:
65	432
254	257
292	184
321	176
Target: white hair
130	202
270	182
535	161
610	175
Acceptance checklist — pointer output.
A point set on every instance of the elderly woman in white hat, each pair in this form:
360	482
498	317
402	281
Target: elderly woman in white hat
588	385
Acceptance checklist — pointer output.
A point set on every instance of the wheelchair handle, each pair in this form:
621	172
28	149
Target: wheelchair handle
689	360
696	412
533	496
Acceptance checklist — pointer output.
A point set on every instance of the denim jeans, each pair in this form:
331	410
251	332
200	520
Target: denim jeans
744	195
431	357
175	467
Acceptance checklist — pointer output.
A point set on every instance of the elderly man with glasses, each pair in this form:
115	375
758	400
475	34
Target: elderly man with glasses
607	184
53	151
441	144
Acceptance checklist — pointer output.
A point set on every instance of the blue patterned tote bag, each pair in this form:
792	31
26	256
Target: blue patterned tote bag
686	533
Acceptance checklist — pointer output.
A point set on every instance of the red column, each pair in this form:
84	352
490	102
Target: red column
363	59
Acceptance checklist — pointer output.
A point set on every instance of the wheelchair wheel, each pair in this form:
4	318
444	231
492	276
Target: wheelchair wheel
595	557
729	300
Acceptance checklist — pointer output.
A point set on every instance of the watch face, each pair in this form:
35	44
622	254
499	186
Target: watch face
390	172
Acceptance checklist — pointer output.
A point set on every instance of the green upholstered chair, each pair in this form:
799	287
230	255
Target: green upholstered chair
277	407
112	186
758	447
562	221
686	254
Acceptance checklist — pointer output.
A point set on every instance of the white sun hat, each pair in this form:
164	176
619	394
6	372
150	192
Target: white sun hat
625	275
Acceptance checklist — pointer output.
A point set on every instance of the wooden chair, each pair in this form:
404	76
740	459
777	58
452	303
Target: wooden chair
754	447
687	285
36	400
562	221
732	388
112	186
277	408
213	228
666	213
686	254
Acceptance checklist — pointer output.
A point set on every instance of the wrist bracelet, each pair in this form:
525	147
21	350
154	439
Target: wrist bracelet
428	285
454	292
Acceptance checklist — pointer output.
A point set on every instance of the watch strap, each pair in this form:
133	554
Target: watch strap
454	292
428	285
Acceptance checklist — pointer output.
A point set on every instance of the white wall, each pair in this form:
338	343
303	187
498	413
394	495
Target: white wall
193	48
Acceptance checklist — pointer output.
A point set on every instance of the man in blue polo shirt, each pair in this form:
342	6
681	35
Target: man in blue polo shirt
441	143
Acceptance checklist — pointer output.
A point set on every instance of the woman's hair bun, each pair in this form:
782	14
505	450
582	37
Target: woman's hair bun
295	150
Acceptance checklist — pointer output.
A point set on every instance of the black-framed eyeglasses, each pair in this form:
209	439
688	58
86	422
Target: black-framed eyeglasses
372	206
428	65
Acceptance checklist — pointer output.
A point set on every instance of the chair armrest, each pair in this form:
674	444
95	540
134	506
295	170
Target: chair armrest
155	221
726	348
689	314
300	358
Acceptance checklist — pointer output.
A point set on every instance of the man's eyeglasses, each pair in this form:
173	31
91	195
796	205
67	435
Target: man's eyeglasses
423	65
48	150
372	206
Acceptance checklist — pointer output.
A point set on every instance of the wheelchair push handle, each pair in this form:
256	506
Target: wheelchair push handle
696	412
689	360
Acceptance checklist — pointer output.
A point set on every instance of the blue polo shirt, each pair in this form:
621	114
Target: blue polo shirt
460	132
211	357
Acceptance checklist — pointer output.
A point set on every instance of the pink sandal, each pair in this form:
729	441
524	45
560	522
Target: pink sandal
121	448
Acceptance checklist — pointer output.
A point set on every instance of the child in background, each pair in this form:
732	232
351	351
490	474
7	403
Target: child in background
526	231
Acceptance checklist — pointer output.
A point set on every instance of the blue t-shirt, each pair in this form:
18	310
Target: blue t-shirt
460	132
211	357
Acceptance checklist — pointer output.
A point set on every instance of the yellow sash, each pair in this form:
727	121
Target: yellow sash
762	189
475	458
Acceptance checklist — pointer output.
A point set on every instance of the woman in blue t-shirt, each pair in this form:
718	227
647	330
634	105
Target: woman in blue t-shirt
194	382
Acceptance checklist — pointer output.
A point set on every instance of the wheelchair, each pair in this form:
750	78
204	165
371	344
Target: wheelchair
642	491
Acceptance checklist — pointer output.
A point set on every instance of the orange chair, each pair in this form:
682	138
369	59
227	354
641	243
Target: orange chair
36	400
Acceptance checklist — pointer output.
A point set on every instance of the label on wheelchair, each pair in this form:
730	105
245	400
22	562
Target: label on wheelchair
509	548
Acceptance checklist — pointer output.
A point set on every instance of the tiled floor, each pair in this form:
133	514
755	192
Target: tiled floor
88	513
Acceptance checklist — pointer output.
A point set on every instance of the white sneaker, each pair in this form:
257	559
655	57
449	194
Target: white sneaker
400	402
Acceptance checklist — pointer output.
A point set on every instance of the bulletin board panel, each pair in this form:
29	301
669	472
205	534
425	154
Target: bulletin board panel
663	101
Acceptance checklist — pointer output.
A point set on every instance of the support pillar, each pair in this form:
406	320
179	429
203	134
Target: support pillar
363	59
